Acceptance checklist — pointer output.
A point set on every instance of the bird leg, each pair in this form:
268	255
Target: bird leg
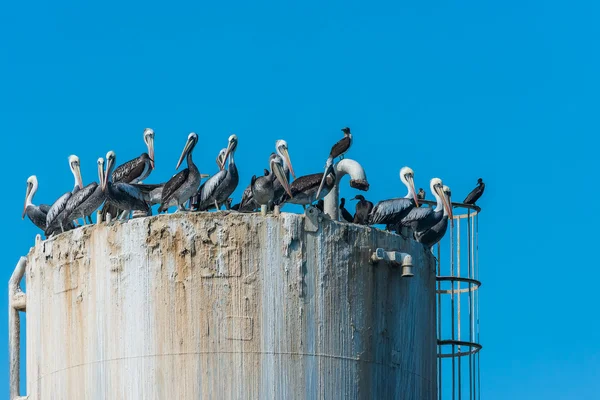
124	215
182	207
217	205
90	219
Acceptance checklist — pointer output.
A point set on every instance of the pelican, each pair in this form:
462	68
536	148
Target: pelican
124	196
392	211
220	163
475	193
420	219
363	209
133	171
54	219
304	189
345	213
431	236
217	189
281	148
338	150
36	214
183	185
87	200
247	203
263	190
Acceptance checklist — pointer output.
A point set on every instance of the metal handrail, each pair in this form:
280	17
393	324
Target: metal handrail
17	301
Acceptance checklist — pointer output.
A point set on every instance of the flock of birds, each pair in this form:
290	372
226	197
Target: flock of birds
122	192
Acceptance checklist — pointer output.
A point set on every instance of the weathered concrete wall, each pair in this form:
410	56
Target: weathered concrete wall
205	305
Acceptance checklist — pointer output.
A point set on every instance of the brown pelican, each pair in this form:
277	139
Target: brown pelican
124	196
391	211
422	218
281	148
432	235
304	189
87	200
133	171
220	163
247	204
345	213
36	214
217	189
183	185
54	219
263	190
475	193
338	150
363	209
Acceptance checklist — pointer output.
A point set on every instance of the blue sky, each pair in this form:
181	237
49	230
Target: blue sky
507	91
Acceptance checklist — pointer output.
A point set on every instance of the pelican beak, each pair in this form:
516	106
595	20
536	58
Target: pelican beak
78	175
448	205
187	147
151	151
411	181
280	174
106	173
26	197
286	155
229	148
204	176
101	173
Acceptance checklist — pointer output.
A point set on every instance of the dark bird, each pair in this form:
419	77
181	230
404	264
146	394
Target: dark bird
54	218
37	214
421	218
247	204
338	150
475	193
431	236
263	190
304	188
133	171
87	200
391	212
345	214
421	195
183	185
321	205
363	209
125	196
217	189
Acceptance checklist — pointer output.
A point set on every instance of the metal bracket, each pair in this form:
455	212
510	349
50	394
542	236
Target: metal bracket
17	301
312	219
395	258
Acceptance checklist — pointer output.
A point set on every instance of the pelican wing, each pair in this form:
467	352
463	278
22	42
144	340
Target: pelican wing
390	211
208	188
417	214
44	208
132	191
133	170
58	206
77	200
306	182
173	184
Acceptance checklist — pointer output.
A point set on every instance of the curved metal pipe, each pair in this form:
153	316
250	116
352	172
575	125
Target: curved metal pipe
358	180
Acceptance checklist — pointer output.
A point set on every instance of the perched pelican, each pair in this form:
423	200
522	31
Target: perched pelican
217	189
475	193
263	190
36	214
392	211
133	171
363	209
124	196
247	204
420	219
281	148
345	213
87	200
304	189
338	150
431	236
183	185
220	163
54	219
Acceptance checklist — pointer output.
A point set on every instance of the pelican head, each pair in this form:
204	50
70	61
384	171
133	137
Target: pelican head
221	158
149	140
281	147
407	176
189	146
76	170
437	189
32	185
231	147
110	162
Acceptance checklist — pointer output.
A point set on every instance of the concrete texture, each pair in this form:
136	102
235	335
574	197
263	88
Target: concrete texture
210	305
